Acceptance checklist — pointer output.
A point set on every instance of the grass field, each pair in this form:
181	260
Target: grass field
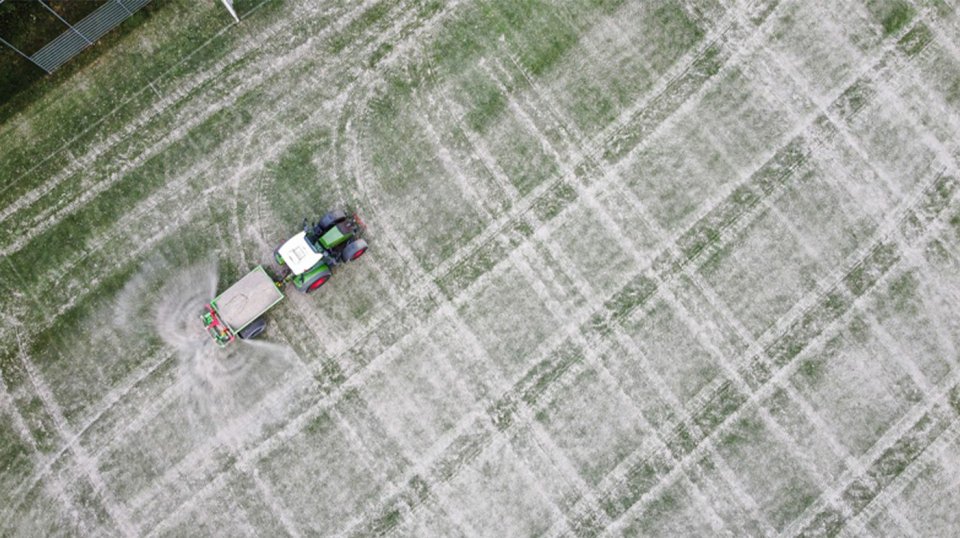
665	268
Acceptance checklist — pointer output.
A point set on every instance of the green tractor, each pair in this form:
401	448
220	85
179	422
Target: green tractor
310	256
306	259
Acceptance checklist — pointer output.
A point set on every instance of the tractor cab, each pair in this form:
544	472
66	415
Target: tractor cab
311	254
299	254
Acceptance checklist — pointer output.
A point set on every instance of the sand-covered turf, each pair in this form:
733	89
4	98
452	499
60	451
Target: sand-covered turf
670	267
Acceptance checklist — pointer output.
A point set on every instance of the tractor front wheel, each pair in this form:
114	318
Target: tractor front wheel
354	250
331	219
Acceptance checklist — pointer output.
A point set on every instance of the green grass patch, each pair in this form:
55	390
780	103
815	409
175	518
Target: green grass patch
631	296
661	507
954	399
296	187
554	201
11	367
545	38
678	31
725	400
893	15
663	33
470	269
813	369
45	345
127	49
853	99
487	104
525	162
828	522
42	427
14	453
379	53
355	29
866	274
666	103
99	216
639	479
535	28
902	292
915	40
747	431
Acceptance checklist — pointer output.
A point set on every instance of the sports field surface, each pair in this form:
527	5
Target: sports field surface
658	268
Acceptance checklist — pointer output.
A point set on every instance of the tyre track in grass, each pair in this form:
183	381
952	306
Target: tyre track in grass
909	252
144	246
176	188
889	494
788	363
191	118
594	361
662	107
581	284
81	458
897	65
447	313
9	407
543	441
789	160
890	457
946	36
810	414
92	154
586	291
534	387
666	295
683	77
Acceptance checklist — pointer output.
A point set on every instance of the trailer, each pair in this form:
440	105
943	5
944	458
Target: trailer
238	310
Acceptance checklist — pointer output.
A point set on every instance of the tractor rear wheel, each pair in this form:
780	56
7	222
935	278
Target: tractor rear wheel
313	281
353	250
331	219
253	329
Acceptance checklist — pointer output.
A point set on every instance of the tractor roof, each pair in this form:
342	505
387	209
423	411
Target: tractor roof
299	255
